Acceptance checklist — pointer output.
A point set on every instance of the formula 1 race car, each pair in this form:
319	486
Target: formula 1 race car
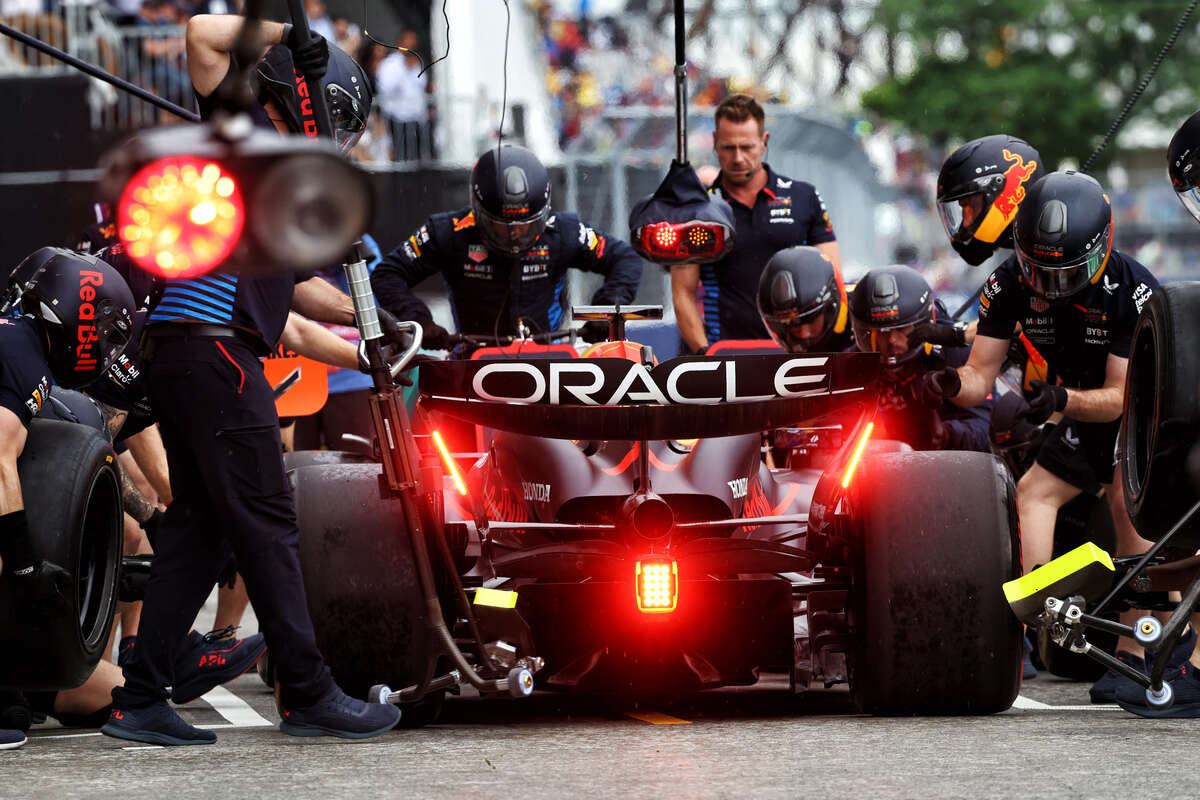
622	533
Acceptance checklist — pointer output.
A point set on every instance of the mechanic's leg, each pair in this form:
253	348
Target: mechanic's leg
1040	495
93	696
231	605
135	544
1128	544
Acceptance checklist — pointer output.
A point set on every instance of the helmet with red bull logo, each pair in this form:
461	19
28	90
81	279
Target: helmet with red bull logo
979	190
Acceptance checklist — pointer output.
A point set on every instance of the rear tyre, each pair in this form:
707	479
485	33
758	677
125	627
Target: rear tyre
360	577
934	634
72	497
1162	413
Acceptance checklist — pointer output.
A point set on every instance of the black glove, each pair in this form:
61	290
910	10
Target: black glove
1047	398
44	587
939	386
310	57
150	526
937	333
436	337
393	332
595	330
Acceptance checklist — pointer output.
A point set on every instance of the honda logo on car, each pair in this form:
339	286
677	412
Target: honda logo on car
612	382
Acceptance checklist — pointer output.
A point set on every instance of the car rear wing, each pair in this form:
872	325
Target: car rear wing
612	398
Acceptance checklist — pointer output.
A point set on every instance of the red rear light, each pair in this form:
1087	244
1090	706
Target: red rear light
858	451
448	460
657	584
180	216
668	240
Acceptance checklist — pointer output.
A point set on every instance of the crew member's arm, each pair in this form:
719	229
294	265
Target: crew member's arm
317	298
136	504
968	428
979	374
416	258
12	442
318	343
621	266
147	450
210	39
1104	404
685	281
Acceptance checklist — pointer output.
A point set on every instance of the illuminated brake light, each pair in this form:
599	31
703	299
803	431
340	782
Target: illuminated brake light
858	451
682	240
657	586
450	465
180	216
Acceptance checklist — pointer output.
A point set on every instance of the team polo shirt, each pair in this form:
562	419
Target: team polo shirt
786	213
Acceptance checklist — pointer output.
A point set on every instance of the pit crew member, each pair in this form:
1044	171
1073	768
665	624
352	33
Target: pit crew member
771	212
800	302
1076	298
505	256
217	416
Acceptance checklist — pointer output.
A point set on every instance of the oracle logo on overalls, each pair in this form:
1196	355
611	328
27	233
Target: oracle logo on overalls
85	354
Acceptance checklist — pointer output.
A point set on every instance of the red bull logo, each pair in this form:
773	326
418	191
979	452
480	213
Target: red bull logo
86	356
1015	176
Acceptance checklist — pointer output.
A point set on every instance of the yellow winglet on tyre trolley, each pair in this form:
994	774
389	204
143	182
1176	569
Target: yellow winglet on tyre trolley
1086	571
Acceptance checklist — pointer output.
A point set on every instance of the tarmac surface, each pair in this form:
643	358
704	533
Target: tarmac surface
757	742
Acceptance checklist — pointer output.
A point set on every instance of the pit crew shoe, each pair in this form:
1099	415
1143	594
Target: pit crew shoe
337	714
15	712
1185	684
1105	689
157	723
11	740
212	659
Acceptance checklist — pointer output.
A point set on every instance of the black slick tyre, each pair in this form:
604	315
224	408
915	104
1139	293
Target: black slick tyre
935	537
1162	413
71	489
360	578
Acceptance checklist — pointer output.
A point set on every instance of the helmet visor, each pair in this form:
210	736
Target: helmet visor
510	236
804	331
1191	201
1054	280
348	118
890	341
961	216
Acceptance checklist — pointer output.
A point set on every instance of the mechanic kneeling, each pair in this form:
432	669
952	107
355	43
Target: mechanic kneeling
505	257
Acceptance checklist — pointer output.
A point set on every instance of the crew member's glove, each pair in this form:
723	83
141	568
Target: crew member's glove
310	57
939	386
937	333
150	526
393	331
436	337
594	331
44	586
1047	398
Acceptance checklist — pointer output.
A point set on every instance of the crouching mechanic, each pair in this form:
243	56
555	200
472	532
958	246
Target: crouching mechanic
505	257
1076	299
217	416
800	302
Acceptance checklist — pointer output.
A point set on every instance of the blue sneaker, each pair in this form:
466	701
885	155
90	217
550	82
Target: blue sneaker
1105	690
337	714
1185	685
11	740
157	723
212	659
1028	670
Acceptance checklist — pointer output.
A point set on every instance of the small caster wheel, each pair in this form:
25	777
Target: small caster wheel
1147	631
1161	699
520	682
379	693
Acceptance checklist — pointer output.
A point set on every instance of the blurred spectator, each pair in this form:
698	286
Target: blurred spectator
155	59
318	19
400	87
347	35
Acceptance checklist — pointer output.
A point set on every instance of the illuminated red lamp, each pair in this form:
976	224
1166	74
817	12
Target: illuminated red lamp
448	460
857	455
180	216
656	582
670	241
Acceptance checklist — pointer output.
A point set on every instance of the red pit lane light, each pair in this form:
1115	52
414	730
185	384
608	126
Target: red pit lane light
448	460
657	585
180	216
858	451
671	241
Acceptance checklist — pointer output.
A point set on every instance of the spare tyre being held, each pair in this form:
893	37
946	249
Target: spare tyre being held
1162	413
72	495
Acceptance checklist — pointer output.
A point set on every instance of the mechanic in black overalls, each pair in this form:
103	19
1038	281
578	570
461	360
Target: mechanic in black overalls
76	317
505	257
218	421
1077	299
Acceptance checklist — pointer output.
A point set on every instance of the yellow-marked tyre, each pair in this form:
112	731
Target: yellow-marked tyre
935	538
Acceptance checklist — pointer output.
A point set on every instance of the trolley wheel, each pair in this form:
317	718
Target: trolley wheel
379	693
1162	699
520	682
1147	631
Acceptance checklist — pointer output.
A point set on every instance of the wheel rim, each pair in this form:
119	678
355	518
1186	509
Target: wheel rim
1141	418
97	559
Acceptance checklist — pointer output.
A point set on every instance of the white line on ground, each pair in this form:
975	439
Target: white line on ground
235	709
1027	704
145	747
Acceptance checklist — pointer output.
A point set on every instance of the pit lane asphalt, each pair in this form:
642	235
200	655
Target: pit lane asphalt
752	742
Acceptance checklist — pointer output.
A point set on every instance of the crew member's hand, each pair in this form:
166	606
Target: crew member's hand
150	526
936	333
1047	398
310	57
938	434
44	586
394	333
436	337
594	331
940	385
